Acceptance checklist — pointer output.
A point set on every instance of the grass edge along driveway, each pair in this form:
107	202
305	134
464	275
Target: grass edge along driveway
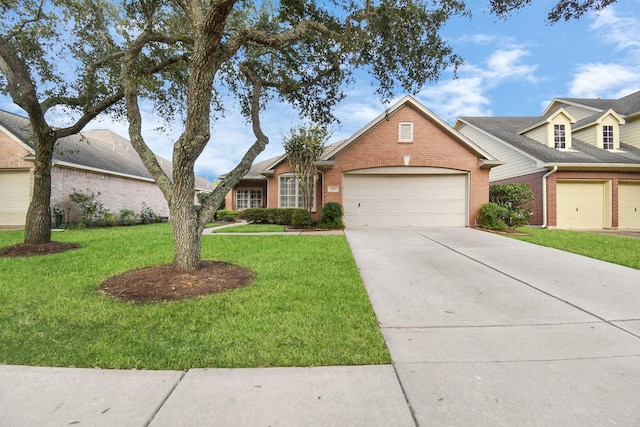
306	307
606	247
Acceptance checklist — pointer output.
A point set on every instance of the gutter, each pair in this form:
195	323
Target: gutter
544	195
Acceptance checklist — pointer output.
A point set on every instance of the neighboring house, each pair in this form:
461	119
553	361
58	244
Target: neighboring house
97	160
407	168
581	157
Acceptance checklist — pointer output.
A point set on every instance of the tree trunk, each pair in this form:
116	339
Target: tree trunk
184	218
37	227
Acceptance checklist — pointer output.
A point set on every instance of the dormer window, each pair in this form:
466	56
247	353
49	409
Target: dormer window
559	136
405	132
607	138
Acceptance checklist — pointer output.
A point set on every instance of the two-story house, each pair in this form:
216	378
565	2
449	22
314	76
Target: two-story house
581	157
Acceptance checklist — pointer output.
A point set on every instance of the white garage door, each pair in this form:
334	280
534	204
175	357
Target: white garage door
580	205
629	205
405	200
14	197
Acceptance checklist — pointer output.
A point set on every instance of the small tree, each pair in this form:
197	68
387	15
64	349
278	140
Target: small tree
516	199
304	147
90	206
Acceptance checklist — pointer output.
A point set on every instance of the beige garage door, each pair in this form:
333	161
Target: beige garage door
629	205
581	205
14	197
405	200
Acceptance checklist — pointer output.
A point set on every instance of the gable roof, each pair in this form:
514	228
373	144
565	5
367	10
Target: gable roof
507	131
267	167
428	114
100	151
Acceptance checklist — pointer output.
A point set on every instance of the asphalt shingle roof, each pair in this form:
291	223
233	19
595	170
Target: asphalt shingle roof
96	149
507	128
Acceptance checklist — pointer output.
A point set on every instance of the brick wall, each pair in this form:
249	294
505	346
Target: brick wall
116	192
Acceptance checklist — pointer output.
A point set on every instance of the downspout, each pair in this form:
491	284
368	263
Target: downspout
544	195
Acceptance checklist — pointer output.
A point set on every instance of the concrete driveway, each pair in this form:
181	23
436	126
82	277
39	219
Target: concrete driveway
485	330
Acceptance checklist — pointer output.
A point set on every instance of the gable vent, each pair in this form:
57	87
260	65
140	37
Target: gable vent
405	132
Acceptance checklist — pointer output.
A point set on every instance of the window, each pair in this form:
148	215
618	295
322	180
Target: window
559	139
405	132
248	198
290	194
607	137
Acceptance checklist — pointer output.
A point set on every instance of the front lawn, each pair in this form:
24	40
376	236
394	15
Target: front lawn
616	249
306	307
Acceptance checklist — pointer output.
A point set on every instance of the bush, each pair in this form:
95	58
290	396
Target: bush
147	215
301	218
228	216
516	199
106	217
332	215
491	216
127	217
90	207
281	216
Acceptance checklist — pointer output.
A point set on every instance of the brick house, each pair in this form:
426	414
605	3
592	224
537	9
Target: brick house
97	160
406	168
581	157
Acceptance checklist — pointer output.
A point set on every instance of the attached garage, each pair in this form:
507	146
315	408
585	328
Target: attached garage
629	205
383	197
583	204
14	197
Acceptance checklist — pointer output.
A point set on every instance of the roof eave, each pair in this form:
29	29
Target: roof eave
625	167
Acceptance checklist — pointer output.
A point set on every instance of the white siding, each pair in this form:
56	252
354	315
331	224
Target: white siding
587	135
515	162
539	134
630	133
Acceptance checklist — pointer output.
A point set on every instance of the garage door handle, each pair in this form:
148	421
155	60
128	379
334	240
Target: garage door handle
358	204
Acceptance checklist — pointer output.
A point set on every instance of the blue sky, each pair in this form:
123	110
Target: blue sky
513	67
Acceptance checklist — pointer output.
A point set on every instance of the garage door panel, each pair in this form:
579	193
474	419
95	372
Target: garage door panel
580	205
14	197
405	201
629	205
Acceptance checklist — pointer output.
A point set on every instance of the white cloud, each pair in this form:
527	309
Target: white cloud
611	80
621	32
597	79
469	94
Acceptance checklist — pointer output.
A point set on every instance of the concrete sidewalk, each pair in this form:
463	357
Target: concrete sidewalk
323	396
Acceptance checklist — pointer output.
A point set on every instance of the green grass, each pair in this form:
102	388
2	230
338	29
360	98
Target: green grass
616	249
306	307
252	228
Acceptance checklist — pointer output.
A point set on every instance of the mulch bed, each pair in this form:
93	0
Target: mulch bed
32	249
164	283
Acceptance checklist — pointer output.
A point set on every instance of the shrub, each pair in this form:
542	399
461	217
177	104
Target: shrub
228	216
301	218
147	215
491	216
127	217
332	215
257	215
90	206
106	217
516	199
281	216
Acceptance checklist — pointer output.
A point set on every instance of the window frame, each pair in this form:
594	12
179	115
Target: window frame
298	193
608	138
249	193
559	136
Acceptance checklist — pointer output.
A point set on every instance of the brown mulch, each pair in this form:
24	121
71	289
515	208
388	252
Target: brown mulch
511	232
163	283
31	249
